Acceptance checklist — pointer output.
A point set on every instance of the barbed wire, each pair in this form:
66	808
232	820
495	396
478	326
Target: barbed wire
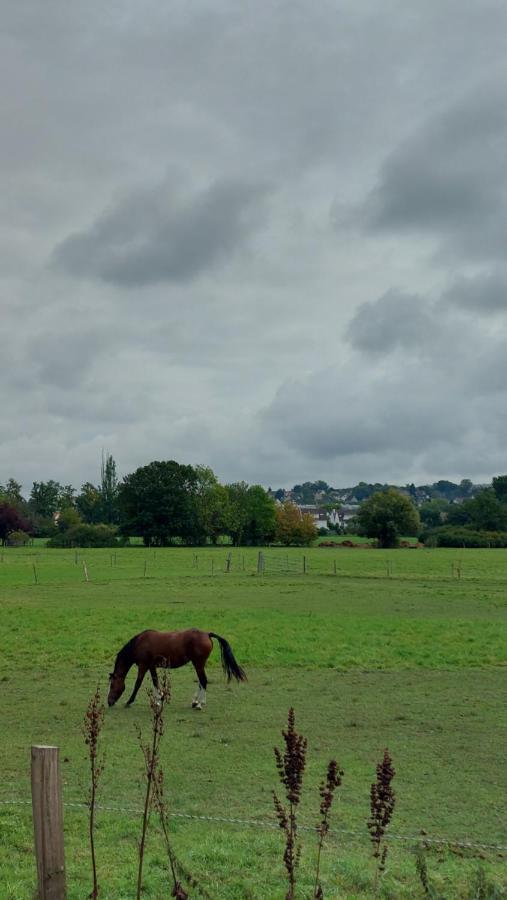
421	838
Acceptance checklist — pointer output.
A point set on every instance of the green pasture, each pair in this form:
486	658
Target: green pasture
404	649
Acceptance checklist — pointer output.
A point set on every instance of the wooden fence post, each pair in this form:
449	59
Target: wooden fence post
47	808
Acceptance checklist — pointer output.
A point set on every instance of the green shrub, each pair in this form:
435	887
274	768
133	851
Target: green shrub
449	536
86	536
18	538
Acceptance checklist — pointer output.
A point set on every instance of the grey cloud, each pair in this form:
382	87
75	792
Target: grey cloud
157	235
394	320
483	294
448	179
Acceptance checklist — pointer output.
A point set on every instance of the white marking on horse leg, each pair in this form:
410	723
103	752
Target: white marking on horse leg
202	695
194	701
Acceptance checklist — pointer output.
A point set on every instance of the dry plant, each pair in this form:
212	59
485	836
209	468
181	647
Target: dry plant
290	765
382	800
92	726
327	788
154	797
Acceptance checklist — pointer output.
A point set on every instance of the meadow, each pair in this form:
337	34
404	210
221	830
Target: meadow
402	649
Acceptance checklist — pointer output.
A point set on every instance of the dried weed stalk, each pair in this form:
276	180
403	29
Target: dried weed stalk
327	788
92	726
290	765
154	797
382	800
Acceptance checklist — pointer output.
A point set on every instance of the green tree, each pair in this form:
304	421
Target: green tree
68	518
499	485
89	503
261	520
11	493
157	502
109	491
387	515
251	514
212	505
483	513
45	498
434	513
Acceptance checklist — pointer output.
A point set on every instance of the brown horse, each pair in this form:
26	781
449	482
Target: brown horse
170	650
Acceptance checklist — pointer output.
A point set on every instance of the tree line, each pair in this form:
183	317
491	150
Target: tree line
163	502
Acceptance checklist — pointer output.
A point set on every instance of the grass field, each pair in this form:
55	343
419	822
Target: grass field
405	649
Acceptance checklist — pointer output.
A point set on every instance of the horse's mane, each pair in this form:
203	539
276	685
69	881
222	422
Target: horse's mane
125	655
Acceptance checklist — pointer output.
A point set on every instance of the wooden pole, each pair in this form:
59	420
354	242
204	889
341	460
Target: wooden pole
47	808
85	570
35	574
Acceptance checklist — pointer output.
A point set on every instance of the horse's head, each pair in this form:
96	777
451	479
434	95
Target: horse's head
116	687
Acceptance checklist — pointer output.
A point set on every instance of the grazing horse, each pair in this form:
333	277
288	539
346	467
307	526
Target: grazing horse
170	650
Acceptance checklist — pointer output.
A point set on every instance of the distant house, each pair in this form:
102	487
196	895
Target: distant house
324	517
319	515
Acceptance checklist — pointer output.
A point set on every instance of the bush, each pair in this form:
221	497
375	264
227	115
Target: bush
86	536
448	536
18	538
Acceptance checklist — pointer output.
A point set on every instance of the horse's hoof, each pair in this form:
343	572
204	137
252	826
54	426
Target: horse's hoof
194	704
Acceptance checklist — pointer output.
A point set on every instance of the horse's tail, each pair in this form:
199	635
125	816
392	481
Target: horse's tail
229	664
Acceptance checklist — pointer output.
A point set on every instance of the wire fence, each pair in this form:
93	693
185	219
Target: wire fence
39	566
272	825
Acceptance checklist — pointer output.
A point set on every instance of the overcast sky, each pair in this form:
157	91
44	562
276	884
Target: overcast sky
267	237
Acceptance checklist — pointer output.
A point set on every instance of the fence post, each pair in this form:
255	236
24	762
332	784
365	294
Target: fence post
260	563
304	565
85	570
47	811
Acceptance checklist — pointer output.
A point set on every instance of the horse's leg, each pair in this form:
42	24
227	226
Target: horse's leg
141	672
154	678
199	699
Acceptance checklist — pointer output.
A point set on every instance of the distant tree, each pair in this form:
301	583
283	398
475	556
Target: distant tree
260	522
11	493
66	497
68	518
434	512
446	489
499	485
157	502
89	503
483	513
109	490
212	505
466	487
292	527
251	514
238	511
387	515
45	498
11	520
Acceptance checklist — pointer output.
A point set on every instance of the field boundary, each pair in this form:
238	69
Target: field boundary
271	825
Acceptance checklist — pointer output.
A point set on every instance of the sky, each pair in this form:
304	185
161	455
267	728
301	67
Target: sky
265	237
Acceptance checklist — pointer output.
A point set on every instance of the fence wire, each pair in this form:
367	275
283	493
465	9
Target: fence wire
421	838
